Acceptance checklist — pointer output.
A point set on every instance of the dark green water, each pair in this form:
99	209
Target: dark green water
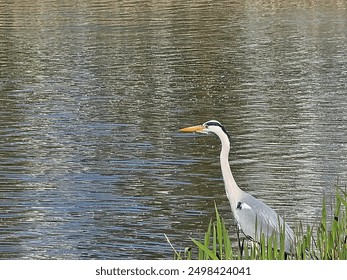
92	94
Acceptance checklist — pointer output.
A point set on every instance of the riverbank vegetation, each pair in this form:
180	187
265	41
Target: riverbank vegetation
324	240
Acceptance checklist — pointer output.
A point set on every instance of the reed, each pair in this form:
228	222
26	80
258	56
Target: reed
328	239
325	240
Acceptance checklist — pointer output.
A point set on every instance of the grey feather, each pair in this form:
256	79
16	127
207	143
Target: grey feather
254	217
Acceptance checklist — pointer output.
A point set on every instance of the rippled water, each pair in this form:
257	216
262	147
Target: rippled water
92	95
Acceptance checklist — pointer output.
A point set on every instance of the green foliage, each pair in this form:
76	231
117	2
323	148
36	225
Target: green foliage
329	240
216	238
325	241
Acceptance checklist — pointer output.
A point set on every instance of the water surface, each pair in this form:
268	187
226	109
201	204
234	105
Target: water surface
92	95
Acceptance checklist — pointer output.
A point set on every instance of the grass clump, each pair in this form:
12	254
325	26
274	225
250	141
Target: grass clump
327	240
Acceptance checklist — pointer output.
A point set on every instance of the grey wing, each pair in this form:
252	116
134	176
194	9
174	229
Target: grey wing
255	217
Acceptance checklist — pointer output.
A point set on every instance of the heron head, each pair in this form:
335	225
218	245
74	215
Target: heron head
208	127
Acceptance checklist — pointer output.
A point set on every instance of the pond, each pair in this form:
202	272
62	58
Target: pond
92	94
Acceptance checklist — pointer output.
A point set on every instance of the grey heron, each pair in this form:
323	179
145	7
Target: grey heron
253	216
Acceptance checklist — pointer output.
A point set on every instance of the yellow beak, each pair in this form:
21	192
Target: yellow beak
197	128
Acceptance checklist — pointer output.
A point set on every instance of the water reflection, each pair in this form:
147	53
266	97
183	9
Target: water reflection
92	95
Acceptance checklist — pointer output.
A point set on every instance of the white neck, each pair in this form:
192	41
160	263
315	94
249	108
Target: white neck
231	187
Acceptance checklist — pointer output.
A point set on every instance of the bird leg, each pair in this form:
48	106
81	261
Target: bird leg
239	241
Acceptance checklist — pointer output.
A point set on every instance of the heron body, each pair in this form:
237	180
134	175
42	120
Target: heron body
253	216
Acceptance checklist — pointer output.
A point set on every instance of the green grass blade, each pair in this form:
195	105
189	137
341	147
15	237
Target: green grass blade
206	250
